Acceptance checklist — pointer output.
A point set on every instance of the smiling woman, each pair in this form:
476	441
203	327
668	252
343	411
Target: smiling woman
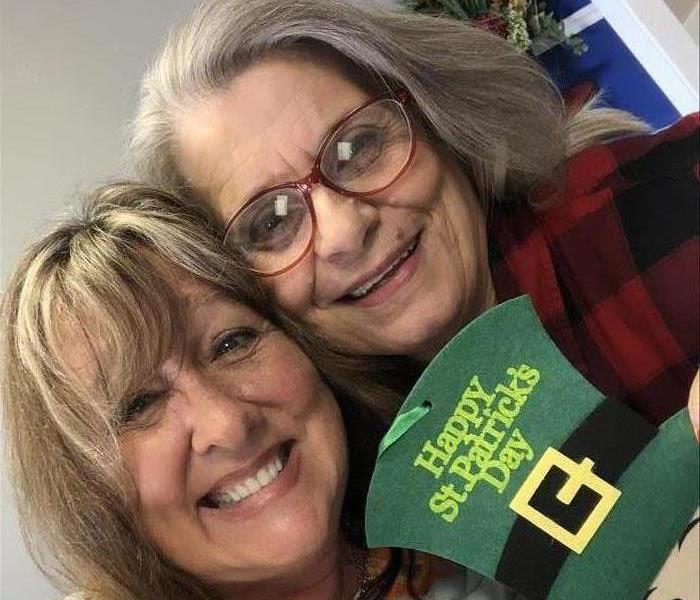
391	176
167	438
251	466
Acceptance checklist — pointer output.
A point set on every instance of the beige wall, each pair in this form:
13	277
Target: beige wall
687	12
681	8
692	23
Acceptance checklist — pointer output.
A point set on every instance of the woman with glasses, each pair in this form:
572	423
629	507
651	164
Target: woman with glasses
168	439
392	176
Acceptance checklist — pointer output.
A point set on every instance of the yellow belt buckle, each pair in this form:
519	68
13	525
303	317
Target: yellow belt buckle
580	475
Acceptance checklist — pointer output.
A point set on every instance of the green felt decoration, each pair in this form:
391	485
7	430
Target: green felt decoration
463	471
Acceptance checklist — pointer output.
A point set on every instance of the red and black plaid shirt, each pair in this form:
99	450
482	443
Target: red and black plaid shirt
613	268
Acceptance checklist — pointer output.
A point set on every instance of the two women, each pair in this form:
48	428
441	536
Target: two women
169	439
377	171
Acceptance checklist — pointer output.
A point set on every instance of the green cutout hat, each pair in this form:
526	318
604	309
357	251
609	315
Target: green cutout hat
506	460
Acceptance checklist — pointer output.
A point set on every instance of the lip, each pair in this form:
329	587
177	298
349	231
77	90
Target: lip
385	264
260	500
240	475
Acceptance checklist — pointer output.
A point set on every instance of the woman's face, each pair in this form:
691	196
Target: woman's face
237	450
415	253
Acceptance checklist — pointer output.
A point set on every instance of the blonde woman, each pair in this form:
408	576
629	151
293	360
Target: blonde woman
391	176
167	439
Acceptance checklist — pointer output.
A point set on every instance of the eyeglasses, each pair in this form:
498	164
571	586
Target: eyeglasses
365	153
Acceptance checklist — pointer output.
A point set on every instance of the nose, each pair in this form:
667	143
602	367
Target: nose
345	226
219	417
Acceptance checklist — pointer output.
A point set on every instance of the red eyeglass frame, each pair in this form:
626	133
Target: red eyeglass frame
304	184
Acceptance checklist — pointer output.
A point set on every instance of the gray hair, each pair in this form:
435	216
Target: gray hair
480	100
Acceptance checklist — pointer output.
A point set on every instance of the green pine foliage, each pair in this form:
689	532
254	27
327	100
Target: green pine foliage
529	26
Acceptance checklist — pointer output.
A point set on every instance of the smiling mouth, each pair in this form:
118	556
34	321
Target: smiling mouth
235	493
376	282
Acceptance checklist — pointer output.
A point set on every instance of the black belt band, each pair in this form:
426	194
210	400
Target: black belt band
611	436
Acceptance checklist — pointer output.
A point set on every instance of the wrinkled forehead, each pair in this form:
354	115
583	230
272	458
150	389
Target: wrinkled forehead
264	129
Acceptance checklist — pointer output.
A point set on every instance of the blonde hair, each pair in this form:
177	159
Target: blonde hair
89	294
496	110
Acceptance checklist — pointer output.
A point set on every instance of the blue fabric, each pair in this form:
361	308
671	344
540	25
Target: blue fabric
612	66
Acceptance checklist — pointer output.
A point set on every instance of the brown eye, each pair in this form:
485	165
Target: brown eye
137	408
272	223
369	149
236	344
356	152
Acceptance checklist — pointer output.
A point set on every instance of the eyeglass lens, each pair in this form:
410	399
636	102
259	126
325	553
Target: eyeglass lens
369	150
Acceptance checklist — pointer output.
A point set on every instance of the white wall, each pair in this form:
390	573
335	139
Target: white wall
70	72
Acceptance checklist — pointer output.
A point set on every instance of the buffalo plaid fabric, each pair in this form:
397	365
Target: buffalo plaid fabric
612	267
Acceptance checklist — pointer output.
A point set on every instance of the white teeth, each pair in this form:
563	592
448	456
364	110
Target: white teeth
252	485
264	477
271	472
227	499
363	290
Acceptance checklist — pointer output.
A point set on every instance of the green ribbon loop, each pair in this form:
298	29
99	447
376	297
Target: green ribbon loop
402	424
